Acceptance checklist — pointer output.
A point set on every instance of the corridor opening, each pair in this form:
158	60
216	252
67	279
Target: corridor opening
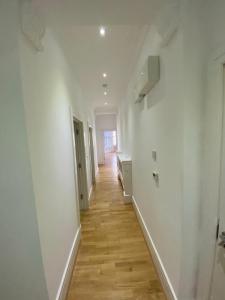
110	141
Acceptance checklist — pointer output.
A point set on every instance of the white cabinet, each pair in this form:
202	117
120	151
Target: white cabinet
124	165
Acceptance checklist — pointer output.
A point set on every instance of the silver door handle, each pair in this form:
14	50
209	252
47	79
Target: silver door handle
222	239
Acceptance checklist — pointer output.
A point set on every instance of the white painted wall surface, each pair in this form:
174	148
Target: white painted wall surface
213	22
106	122
170	121
156	124
21	268
49	94
100	147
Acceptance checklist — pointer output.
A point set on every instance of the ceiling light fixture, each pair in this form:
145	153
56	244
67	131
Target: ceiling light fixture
105	93
104	75
102	31
106	103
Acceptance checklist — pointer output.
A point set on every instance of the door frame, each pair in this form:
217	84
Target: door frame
221	182
92	155
215	96
85	205
75	165
111	130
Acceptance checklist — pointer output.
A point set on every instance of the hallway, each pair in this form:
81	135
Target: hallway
113	261
143	78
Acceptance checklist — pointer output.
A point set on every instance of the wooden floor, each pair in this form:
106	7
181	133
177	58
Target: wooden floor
113	261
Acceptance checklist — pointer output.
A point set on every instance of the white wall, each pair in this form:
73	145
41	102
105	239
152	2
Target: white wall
213	14
170	121
156	124
106	122
102	123
39	215
50	92
22	274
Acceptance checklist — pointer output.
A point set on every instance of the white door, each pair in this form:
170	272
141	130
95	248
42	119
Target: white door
92	159
218	280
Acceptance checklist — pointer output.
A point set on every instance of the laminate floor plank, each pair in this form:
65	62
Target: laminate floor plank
113	262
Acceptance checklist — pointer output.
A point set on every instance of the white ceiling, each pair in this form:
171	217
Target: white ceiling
89	55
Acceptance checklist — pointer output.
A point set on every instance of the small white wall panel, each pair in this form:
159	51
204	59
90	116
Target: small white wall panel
148	77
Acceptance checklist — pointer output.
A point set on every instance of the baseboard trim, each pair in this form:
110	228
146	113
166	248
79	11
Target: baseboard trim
168	288
90	193
96	171
65	281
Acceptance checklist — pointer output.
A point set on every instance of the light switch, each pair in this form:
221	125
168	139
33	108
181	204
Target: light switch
154	155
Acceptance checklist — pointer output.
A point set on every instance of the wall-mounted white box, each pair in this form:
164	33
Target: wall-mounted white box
124	165
148	77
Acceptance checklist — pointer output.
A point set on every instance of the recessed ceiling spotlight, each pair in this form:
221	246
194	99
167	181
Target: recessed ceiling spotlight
102	31
105	93
106	103
104	75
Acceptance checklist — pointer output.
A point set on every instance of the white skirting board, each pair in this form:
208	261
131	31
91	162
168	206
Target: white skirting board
64	284
168	288
90	192
96	171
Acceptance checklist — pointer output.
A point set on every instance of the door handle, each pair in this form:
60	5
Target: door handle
222	239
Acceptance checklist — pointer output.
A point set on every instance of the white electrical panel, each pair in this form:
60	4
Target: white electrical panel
148	77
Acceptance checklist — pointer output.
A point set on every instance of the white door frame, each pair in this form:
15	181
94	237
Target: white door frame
221	193
75	166
74	118
215	95
92	154
83	188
